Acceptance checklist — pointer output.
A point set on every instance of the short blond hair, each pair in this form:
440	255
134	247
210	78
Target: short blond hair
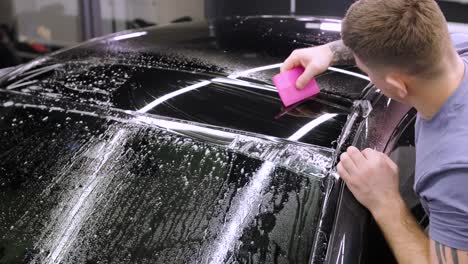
410	35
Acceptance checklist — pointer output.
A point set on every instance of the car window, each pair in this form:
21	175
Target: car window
76	188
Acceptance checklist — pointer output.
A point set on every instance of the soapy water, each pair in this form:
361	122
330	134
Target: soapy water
197	200
77	206
242	213
61	234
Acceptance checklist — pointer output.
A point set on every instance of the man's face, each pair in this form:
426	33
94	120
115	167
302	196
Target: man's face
380	79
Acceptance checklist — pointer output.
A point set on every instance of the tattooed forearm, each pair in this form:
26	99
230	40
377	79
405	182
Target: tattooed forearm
454	255
342	55
443	253
438	251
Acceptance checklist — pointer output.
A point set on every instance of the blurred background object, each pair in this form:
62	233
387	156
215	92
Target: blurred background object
223	8
31	28
8	56
118	15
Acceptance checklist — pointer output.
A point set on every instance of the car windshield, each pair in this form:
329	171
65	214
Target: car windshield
79	188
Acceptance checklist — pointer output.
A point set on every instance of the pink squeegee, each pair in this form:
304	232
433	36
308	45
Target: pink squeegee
286	84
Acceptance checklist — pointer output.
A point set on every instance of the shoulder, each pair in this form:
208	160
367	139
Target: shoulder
460	40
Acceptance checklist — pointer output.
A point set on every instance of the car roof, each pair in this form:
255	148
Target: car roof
216	73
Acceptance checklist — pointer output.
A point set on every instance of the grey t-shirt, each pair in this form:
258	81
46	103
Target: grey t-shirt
441	177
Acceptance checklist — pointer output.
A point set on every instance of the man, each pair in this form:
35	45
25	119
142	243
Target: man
405	48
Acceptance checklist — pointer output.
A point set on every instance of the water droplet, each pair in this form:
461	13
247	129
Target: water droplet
8	104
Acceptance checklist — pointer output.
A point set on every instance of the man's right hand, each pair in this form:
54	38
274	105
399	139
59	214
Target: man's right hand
315	60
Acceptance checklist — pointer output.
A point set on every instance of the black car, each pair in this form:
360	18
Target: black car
171	145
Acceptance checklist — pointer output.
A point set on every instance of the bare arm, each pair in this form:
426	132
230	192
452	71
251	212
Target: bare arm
316	60
373	179
406	238
409	243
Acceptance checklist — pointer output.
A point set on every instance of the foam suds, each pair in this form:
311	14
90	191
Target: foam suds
71	220
242	214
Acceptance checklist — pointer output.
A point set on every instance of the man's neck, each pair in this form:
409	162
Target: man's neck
431	95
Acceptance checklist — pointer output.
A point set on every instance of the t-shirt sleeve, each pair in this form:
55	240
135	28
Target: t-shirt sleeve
447	201
460	40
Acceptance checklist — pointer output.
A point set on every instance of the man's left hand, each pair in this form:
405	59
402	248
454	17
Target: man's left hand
372	177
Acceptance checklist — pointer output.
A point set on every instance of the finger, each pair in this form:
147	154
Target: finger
376	157
391	163
291	62
356	155
342	172
305	78
348	163
368	153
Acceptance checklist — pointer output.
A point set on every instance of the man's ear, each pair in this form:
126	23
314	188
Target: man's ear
398	84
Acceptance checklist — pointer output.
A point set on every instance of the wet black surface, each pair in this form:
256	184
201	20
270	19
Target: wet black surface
81	183
79	189
231	105
131	73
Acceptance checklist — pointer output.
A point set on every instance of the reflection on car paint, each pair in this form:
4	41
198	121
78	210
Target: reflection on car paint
181	91
32	74
129	35
310	126
168	96
362	109
254	70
